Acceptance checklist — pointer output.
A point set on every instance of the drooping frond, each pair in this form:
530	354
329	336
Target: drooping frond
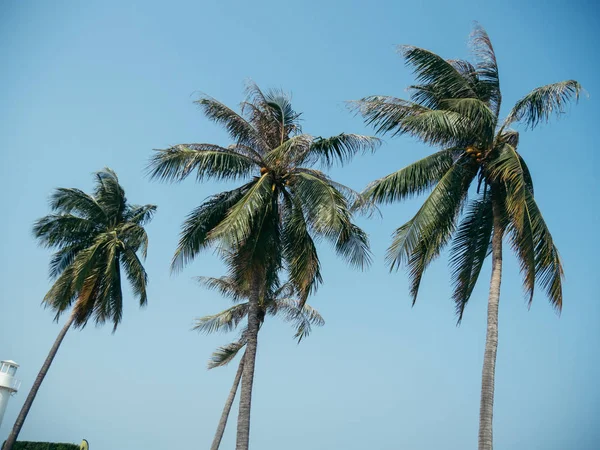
140	214
421	239
58	230
198	224
226	320
224	355
548	265
299	251
226	286
414	179
470	247
507	169
300	314
541	103
340	148
325	208
353	245
136	274
207	160
241	219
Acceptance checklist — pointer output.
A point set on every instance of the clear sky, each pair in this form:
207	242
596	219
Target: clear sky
85	85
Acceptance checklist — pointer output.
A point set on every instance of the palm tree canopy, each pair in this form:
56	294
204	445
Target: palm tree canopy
278	302
272	220
456	105
96	236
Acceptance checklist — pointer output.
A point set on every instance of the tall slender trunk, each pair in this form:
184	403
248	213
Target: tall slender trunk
227	408
14	434
243	426
486	408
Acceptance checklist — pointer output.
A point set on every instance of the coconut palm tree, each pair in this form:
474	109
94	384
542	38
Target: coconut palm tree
271	220
96	236
277	302
456	105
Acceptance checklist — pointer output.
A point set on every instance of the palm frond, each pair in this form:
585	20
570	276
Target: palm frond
226	320
226	286
224	355
57	230
541	103
414	179
299	251
136	274
422	238
74	201
341	148
198	224
241	219
469	249
207	160
238	128
300	314
486	69
109	194
434	71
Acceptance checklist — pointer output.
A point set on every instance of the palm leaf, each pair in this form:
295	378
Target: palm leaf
207	160
470	247
541	103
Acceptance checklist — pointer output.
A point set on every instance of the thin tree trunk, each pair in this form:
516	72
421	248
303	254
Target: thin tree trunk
486	408
243	426
227	408
14	434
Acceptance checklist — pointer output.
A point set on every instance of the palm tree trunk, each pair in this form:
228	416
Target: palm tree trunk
486	408
14	434
227	408
243	426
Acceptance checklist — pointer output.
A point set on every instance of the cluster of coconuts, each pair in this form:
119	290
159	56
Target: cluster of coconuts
474	153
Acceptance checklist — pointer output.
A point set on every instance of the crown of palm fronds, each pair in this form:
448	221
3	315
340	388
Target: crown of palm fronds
272	220
278	302
95	236
456	105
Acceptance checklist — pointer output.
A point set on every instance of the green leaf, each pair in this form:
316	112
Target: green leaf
208	161
470	247
541	103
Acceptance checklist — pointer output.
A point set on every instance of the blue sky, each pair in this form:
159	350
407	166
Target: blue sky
91	84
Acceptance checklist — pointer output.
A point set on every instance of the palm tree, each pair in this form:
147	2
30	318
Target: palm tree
271	220
277	302
96	236
456	106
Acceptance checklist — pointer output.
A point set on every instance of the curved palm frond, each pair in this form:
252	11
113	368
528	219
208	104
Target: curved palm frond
422	238
488	85
224	355
226	286
226	320
340	148
75	201
300	252
470	247
541	103
207	160
200	222
238	128
109	194
241	219
412	180
437	73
